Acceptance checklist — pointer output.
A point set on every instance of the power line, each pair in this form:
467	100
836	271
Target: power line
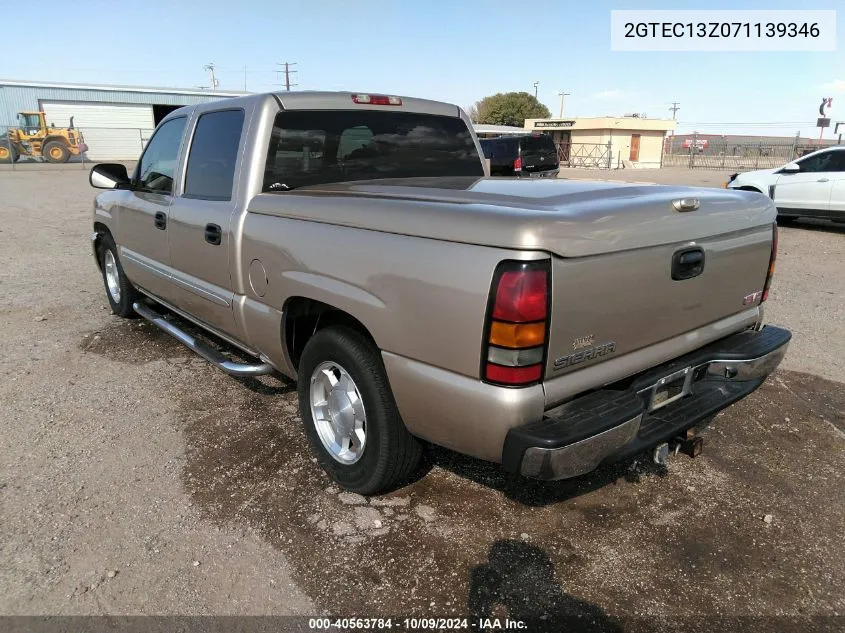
562	94
210	68
675	107
746	123
288	72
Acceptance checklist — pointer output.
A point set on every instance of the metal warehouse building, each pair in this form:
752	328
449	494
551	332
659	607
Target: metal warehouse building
116	121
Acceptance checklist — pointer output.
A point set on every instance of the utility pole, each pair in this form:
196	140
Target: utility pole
563	95
244	78
536	83
675	107
288	72
210	68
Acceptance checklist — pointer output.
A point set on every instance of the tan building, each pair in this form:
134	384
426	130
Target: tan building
607	141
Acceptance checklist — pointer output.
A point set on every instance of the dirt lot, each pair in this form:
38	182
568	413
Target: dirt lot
136	479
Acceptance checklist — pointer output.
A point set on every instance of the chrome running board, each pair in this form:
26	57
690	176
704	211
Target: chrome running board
207	352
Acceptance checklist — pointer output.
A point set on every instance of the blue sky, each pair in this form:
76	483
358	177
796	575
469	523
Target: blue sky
457	51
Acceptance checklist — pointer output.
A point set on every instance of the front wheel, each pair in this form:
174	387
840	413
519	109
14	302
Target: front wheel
349	413
119	290
56	152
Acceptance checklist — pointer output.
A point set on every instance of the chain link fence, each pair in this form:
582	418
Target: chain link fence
34	147
706	152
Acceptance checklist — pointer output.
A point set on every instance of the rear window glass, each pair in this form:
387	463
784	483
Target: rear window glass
501	148
537	143
214	152
316	147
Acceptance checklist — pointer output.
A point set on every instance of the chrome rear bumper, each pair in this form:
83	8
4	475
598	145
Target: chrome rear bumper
612	424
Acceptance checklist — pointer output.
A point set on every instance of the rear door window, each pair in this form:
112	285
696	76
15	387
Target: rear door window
210	174
837	161
317	147
509	148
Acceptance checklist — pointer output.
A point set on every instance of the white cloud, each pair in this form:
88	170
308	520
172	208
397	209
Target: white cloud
609	94
837	85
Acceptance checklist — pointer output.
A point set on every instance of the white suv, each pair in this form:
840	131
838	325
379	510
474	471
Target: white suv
812	186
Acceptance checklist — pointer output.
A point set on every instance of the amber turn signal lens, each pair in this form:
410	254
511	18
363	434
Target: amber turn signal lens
517	334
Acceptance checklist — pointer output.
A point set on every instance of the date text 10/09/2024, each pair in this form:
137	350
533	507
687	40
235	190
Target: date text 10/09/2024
416	624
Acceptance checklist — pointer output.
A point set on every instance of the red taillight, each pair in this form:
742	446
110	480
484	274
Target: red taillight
513	375
517	164
772	259
377	100
521	296
515	344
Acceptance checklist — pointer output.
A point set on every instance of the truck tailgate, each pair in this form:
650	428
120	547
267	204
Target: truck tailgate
609	304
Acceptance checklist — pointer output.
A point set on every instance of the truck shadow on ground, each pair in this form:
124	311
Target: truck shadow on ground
518	579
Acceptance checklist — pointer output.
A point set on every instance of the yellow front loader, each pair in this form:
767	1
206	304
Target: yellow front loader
33	137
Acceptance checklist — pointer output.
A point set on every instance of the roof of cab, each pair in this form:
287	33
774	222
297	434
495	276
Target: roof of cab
324	100
318	100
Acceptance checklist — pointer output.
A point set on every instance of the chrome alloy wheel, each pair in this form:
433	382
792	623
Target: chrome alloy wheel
112	276
338	412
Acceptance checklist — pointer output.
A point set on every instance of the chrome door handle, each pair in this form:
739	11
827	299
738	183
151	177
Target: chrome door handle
823	180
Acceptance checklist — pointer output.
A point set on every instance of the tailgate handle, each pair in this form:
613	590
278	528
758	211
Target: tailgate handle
687	263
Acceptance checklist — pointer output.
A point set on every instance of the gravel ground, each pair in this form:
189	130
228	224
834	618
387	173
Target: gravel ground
137	479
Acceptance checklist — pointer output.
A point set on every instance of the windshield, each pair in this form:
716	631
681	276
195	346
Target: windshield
29	121
317	147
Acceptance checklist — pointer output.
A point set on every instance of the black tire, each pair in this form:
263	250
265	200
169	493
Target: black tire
55	152
785	220
390	453
122	307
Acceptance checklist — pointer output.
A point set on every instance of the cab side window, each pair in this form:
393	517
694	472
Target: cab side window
210	174
158	163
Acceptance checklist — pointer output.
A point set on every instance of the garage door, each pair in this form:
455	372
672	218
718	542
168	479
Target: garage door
112	131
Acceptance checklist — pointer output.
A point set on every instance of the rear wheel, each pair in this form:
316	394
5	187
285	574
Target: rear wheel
7	153
349	413
56	152
119	291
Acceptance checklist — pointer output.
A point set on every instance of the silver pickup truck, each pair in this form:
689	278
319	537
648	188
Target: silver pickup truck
354	243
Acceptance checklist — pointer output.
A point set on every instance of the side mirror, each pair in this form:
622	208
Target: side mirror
109	176
791	168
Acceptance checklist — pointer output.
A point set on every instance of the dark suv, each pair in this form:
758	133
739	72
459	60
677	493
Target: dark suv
532	155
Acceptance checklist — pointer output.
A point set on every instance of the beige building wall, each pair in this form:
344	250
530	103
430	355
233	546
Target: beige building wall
651	145
651	148
590	136
602	123
595	131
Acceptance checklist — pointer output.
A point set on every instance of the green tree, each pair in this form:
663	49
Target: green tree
510	108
